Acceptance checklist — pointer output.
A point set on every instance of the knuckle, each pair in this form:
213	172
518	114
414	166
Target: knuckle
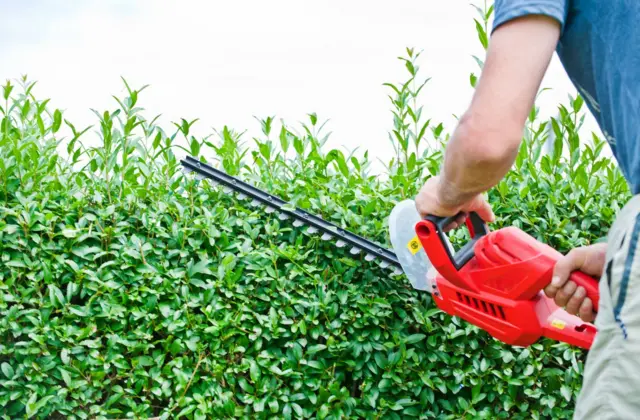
575	305
569	288
563	293
586	310
569	260
584	314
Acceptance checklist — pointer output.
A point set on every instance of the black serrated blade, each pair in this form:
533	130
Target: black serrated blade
314	223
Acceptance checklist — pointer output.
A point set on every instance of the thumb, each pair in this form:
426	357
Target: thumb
563	269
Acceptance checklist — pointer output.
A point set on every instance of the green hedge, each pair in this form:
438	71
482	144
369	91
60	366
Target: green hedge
128	290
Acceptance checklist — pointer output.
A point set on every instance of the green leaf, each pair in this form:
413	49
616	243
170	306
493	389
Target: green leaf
7	370
34	407
66	377
482	35
57	121
10	229
415	338
274	407
201	267
286	411
284	140
145	361
70	233
381	360
55	296
64	356
297	409
6	90
254	372
315	348
258	406
195	147
316	364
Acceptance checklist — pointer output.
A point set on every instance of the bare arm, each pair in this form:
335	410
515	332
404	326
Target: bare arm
486	141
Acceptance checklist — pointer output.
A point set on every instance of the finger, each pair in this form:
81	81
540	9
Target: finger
564	294
421	206
575	301
485	212
586	311
423	203
451	226
565	266
550	291
459	221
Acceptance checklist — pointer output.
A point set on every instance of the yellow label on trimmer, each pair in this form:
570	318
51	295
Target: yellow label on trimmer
414	245
558	324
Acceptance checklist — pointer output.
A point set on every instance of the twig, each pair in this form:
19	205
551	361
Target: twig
195	370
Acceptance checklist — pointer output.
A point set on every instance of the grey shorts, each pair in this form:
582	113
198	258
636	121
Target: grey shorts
611	381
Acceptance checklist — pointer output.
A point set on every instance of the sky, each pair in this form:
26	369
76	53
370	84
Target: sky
229	62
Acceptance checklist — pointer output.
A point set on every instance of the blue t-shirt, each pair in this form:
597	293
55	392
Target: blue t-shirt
599	49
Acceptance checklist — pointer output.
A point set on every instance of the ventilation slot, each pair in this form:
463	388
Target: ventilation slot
481	305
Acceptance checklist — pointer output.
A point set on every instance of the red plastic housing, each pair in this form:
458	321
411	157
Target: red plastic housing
500	288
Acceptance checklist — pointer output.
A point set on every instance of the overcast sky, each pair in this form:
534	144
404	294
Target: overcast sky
226	62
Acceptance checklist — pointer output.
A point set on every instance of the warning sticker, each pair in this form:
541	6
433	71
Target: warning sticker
414	245
558	324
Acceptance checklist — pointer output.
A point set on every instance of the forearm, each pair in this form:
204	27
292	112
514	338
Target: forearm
470	167
487	139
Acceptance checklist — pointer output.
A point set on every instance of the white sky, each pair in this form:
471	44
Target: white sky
225	62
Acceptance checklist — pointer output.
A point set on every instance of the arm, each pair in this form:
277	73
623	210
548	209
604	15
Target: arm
487	139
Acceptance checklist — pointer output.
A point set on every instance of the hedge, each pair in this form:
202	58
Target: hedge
129	290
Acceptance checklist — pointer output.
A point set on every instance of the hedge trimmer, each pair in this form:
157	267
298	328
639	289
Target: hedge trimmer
494	281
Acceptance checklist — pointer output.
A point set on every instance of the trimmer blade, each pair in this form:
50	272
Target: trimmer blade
406	245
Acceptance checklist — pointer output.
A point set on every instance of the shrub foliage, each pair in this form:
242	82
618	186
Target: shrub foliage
127	289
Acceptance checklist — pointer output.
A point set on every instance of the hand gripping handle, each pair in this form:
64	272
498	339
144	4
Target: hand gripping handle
477	229
590	285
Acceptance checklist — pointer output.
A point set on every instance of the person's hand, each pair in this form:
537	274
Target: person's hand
588	259
428	203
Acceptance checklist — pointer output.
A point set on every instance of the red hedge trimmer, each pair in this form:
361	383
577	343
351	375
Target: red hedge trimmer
494	282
